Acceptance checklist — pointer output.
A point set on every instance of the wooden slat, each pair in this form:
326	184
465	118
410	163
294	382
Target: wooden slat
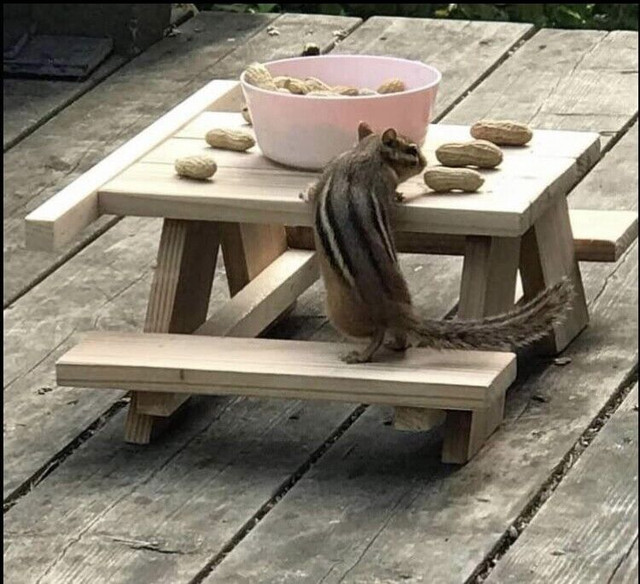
587	527
286	369
551	89
248	313
598	236
253	191
63	216
602	236
248	248
256	306
178	303
627	572
546	256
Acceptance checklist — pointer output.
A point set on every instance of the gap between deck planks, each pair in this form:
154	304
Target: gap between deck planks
120	544
468	39
433	541
104	119
585	529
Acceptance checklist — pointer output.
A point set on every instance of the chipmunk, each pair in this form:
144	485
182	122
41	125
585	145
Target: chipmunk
366	292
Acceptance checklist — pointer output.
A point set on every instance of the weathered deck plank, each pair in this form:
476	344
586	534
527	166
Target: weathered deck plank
481	47
28	103
102	297
429	523
384	508
102	120
627	572
426	273
583	531
563	80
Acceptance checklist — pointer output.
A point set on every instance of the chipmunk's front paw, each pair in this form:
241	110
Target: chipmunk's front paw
399	197
355	357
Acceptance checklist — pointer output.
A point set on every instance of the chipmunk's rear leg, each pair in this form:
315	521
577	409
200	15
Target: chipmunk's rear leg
399	343
366	355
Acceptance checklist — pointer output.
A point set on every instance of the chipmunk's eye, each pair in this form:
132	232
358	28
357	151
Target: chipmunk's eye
412	150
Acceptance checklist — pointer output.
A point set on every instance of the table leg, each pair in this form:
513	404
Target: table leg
178	303
248	248
488	287
547	255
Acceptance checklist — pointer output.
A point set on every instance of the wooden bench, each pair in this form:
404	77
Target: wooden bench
598	236
459	383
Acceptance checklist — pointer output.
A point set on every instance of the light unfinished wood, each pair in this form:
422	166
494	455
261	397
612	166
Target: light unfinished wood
26	451
285	369
62	217
488	287
488	276
547	256
247	314
598	236
261	301
178	303
602	236
255	190
248	248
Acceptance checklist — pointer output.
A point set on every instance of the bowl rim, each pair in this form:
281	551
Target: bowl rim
431	85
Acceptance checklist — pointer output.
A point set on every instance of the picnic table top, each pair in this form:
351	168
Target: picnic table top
248	187
283	491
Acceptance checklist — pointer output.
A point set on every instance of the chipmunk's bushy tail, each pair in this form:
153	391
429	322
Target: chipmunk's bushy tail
521	327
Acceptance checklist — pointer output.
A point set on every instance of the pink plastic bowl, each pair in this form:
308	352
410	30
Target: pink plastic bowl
307	131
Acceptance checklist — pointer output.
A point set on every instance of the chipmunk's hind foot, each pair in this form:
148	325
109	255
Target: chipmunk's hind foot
366	355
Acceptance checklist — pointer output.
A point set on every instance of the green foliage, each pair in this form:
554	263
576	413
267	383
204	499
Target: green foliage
599	16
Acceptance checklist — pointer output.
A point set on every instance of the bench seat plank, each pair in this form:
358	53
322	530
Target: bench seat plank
598	236
462	380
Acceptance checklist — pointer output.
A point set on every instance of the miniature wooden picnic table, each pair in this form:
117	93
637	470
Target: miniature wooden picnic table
251	208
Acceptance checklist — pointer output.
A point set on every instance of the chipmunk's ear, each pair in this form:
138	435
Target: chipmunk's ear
389	137
364	130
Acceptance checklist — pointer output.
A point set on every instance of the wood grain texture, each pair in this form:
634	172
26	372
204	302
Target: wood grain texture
185	486
487	288
288	369
546	256
442	525
389	510
248	249
253	308
111	278
247	314
62	217
479	47
126	103
586	528
585	80
255	452
28	103
178	303
253	190
627	572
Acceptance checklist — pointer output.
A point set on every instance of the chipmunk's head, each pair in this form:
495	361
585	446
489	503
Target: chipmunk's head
398	152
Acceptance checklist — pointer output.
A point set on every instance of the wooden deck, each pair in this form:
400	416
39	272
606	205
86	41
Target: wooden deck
254	490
